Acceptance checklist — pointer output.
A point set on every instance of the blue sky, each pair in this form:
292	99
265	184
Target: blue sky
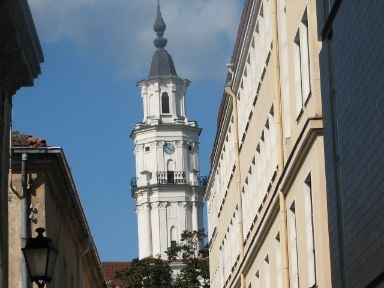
87	102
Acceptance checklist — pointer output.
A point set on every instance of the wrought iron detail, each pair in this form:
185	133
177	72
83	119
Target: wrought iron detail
171	177
203	181
133	185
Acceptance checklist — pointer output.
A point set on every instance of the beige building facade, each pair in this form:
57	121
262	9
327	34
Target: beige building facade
53	204
266	194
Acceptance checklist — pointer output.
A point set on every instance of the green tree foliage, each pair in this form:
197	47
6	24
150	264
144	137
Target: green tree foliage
195	271
147	273
155	272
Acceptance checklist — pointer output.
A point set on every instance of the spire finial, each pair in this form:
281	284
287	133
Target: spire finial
159	28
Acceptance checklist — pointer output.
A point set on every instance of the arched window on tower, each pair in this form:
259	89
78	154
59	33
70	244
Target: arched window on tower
173	236
164	103
170	171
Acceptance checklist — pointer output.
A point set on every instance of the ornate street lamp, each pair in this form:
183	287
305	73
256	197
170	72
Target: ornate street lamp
40	256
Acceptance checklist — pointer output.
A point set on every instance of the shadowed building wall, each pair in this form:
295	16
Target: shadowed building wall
20	58
352	82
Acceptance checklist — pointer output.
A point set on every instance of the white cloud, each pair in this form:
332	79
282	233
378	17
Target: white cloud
200	33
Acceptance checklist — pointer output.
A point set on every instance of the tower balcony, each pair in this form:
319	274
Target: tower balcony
133	185
168	177
171	177
203	181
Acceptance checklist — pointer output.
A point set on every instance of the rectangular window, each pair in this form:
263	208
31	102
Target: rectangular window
309	232
268	151
257	279
170	177
278	261
252	192
225	257
293	257
283	38
244	202
221	275
302	64
304	53
261	27
263	163
147	149
272	129
232	240
222	263
267	274
255	59
164	103
297	63
259	194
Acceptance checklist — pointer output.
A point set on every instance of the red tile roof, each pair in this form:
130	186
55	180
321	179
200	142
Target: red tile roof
110	269
23	140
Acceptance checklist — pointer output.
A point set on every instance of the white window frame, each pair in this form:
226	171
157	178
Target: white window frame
309	232
267	272
283	38
293	253
278	262
302	65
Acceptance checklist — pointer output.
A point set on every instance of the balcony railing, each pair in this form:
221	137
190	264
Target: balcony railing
203	181
133	185
170	177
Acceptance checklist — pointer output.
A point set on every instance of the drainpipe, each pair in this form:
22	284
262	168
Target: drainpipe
228	90
80	265
23	196
24	216
280	140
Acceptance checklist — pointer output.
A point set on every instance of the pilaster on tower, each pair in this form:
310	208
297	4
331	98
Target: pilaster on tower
168	188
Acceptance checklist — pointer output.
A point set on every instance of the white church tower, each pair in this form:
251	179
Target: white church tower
167	188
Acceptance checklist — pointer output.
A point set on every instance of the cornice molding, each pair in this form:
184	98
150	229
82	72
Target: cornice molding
20	50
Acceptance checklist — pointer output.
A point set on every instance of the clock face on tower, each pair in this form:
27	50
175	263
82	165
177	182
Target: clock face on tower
169	148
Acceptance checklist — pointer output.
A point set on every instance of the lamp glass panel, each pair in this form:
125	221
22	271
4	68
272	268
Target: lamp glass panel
51	262
37	261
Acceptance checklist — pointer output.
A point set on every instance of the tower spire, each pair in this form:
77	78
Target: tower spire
159	27
167	190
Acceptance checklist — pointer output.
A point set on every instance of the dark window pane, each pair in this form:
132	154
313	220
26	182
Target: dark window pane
170	177
165	103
